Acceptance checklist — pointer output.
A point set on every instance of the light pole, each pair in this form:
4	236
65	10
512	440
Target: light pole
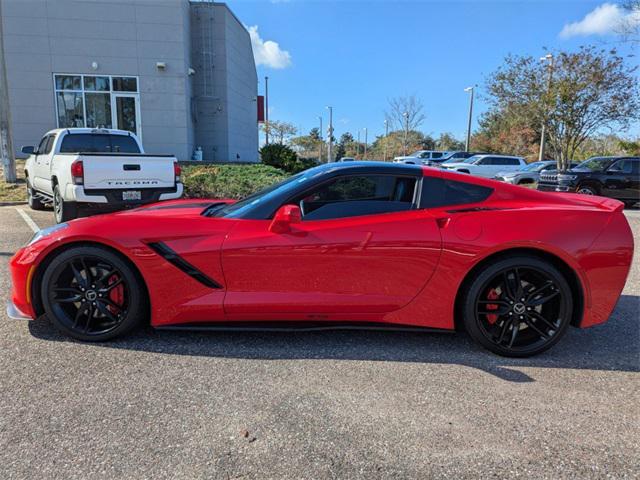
549	59
386	138
358	146
330	133
321	142
266	110
406	131
468	143
365	143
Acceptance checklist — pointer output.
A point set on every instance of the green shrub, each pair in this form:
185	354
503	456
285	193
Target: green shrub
228	181
283	157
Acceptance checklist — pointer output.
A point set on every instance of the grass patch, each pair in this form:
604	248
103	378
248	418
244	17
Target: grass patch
13	192
228	181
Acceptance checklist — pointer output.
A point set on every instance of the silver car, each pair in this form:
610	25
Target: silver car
527	174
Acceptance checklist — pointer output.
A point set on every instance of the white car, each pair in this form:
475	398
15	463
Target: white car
421	157
486	165
79	170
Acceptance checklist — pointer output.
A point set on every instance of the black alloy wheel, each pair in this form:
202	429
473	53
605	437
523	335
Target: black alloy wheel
91	294
518	306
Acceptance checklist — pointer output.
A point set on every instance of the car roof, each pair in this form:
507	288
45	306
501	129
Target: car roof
75	130
364	166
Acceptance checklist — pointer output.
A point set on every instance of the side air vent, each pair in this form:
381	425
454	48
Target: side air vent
172	257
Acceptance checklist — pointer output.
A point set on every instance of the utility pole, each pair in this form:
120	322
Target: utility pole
468	143
386	138
330	132
365	143
549	59
6	144
321	142
266	110
406	131
358	146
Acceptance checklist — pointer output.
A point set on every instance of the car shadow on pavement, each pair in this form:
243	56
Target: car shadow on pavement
614	346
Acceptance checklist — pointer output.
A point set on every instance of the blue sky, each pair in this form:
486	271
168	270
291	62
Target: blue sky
354	55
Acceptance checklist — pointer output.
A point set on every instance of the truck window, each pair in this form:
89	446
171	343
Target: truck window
98	143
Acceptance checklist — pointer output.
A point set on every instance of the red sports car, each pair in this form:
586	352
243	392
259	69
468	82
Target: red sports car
357	245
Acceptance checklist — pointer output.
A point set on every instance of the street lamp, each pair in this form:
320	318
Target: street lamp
549	59
365	143
406	130
330	133
469	89
266	110
321	142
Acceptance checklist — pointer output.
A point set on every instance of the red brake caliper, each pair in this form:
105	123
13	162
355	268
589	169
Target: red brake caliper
493	295
116	295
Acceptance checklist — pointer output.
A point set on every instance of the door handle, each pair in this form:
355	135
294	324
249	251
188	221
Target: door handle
131	167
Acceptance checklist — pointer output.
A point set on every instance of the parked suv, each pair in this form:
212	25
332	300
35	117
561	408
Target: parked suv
78	170
486	165
615	177
530	173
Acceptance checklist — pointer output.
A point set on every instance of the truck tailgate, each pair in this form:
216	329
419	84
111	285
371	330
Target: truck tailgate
108	171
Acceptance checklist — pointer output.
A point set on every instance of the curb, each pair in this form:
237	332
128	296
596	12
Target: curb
10	204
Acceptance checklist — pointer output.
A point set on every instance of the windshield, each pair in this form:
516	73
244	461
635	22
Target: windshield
417	154
235	210
595	164
534	167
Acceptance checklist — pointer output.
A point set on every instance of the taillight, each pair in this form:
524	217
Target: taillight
77	172
177	171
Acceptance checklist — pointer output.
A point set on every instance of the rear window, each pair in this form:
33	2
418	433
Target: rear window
98	143
437	192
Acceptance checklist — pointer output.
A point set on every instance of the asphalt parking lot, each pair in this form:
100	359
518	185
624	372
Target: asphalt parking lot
315	405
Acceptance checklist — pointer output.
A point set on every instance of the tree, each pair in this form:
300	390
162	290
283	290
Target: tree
591	90
398	107
315	133
447	142
629	24
279	131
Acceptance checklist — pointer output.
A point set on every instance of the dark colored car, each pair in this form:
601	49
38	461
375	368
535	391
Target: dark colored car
614	177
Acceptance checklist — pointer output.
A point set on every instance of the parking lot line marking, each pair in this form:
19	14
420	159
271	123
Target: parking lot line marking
28	220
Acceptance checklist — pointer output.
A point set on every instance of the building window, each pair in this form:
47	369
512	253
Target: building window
97	101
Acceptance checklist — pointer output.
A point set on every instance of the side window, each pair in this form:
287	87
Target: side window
437	192
635	166
436	154
513	161
486	161
358	195
622	166
42	146
49	145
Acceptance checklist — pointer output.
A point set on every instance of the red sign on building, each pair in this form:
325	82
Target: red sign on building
260	108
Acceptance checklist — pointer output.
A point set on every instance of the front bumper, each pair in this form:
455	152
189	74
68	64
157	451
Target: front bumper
15	313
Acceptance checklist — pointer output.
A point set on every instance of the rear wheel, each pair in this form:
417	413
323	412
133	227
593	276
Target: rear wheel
63	211
518	307
91	294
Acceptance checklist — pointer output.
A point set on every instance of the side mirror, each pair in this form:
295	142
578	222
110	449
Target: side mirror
286	216
28	150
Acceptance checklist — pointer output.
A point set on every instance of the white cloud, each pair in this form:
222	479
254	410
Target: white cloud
268	52
602	20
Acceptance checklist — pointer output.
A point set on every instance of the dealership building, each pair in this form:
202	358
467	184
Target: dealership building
179	73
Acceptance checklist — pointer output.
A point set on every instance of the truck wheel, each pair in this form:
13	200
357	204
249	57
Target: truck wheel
34	203
63	211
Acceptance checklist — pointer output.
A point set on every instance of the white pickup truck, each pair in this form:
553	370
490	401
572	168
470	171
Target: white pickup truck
82	170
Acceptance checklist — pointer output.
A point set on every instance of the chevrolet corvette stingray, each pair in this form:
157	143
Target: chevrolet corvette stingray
343	245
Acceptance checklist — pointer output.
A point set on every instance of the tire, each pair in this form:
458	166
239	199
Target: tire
587	190
542	317
63	211
34	203
107	303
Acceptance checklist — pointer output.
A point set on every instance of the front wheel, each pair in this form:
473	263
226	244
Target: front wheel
34	203
91	294
63	211
518	306
587	190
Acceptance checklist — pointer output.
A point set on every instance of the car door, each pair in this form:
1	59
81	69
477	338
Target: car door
361	249
42	164
618	180
486	167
